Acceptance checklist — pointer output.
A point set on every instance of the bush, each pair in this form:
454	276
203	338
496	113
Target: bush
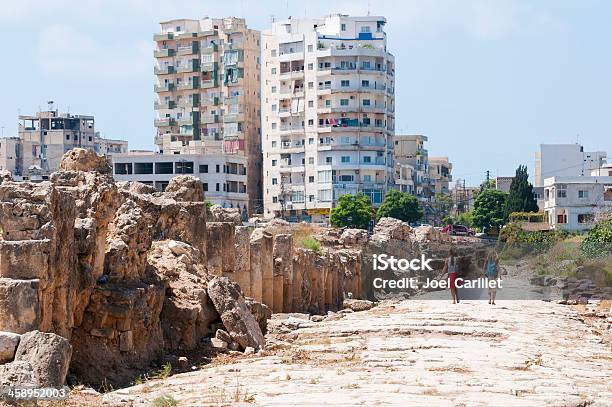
165	400
311	243
598	242
530	217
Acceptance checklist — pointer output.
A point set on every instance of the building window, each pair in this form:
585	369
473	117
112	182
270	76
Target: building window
273	71
274	181
184	167
310	198
274	108
345	159
311	178
365	29
367	178
342	27
345	83
273	89
217	187
586	218
562	218
274	163
365	84
366	102
205	186
310	160
273	126
274	144
143	168
561	193
310	67
311	140
310	122
274	199
164	168
310	85
311	103
310	48
325	195
344	102
273	53
583	194
367	159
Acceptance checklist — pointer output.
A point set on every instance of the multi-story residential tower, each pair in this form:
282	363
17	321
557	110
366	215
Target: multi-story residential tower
565	160
410	152
440	174
327	113
208	85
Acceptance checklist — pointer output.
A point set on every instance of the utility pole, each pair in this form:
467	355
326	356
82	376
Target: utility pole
487	184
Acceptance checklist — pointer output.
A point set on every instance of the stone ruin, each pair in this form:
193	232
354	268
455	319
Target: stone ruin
107	276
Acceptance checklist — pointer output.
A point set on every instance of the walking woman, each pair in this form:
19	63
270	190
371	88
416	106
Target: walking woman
450	267
491	272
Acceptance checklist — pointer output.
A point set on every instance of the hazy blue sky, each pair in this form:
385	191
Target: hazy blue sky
485	80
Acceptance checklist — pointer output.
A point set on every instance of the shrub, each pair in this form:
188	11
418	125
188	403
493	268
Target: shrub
400	205
598	242
353	211
311	243
165	400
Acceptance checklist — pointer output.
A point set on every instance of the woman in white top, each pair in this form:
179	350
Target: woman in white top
450	267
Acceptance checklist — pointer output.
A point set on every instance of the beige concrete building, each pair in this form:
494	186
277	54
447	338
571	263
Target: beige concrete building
208	106
328	113
10	153
109	147
46	136
410	152
440	174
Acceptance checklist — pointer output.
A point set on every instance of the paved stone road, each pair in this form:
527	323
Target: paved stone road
414	353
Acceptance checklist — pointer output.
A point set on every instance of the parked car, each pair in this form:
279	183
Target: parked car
458	230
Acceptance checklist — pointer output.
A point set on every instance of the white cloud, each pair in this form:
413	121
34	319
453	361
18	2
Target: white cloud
63	51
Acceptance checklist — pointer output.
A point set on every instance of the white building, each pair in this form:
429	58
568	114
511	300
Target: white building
327	113
604	170
217	175
109	147
572	203
565	160
410	153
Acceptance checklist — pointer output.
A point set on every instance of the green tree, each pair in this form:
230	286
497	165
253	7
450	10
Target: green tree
400	205
442	205
520	198
487	185
353	211
489	209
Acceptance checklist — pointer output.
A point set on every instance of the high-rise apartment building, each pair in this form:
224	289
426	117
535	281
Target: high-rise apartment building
208	107
327	113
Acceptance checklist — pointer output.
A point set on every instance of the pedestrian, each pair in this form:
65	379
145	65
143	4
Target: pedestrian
491	272
450	267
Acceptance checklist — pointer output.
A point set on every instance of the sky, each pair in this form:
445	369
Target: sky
486	81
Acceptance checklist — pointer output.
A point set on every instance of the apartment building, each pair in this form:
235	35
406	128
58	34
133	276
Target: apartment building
440	174
43	139
328	108
410	152
208	107
565	160
573	203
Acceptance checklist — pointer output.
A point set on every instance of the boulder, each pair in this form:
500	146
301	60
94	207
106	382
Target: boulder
261	312
48	354
393	229
357	305
236	316
18	374
186	188
8	345
81	159
223	336
5	175
353	237
218	213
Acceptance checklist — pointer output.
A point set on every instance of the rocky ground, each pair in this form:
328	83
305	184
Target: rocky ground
430	352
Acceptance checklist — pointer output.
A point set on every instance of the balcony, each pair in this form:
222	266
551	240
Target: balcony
214	101
234	100
291	75
167	87
189	103
163	37
190	49
233	118
192	66
189	85
166	70
165	122
290	129
209	83
210	49
186	121
169	104
209	66
162	53
209	118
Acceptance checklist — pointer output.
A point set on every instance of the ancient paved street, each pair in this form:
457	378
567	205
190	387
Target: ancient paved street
430	353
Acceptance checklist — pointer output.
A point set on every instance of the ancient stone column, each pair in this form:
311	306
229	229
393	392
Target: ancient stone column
283	266
297	304
220	247
242	252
